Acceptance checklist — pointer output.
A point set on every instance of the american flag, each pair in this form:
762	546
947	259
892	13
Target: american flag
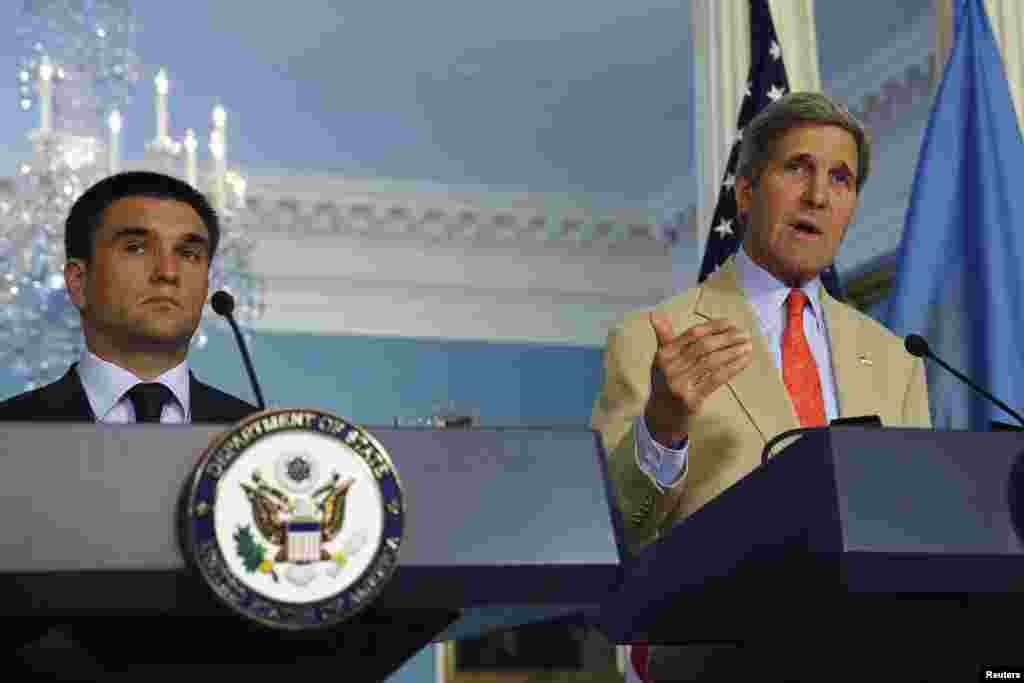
766	83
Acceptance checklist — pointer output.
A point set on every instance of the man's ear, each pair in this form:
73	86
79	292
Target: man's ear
744	189
74	279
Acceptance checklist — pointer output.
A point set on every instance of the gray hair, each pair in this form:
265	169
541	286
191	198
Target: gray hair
793	110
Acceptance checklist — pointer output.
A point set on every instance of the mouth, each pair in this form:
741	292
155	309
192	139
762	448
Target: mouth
806	228
162	301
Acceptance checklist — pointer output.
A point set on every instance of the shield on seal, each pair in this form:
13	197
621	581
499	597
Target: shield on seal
304	538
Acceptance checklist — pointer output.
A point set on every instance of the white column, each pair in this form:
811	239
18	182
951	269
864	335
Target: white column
721	36
798	38
1007	19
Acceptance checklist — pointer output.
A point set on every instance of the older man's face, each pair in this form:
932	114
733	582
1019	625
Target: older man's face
802	203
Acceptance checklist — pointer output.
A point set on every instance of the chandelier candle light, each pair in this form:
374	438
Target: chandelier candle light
162	86
218	150
114	161
191	167
45	95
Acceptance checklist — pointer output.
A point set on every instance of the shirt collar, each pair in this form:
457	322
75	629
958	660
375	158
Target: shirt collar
105	383
766	293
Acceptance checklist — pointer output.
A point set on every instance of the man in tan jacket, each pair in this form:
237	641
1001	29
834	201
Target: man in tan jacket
694	389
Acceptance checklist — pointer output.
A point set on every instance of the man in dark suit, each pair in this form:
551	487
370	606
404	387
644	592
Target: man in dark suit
138	247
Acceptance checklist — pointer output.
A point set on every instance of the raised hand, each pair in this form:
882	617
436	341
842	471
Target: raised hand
687	369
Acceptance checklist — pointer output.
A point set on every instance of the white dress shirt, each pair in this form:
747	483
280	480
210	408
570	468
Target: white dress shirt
106	384
767	296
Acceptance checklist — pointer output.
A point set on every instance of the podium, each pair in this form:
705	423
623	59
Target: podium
503	527
850	535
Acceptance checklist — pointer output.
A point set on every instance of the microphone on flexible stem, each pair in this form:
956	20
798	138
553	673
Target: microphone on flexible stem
224	304
916	345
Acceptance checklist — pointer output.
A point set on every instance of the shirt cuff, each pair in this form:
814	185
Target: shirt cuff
665	466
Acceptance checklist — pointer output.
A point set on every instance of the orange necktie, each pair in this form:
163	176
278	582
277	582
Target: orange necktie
799	371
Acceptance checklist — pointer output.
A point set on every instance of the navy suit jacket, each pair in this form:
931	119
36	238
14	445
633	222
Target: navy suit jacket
65	401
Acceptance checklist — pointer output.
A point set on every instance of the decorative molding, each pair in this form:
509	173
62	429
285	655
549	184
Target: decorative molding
394	258
375	218
390	258
386	209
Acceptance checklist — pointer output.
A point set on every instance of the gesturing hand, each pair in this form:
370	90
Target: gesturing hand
687	369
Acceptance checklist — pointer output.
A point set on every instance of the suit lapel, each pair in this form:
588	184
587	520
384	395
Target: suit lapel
67	400
759	388
852	365
203	408
213	406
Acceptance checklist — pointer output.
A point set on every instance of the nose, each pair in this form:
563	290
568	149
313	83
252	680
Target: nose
816	191
165	266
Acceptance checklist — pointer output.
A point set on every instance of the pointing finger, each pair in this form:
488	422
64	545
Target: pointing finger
662	328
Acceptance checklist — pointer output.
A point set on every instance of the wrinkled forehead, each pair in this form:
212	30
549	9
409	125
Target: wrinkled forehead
826	143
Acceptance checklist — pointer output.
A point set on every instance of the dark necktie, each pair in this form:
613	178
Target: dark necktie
149	399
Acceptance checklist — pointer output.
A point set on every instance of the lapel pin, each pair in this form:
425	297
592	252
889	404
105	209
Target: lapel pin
864	360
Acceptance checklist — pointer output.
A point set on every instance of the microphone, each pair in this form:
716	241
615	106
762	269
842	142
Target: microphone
224	304
917	345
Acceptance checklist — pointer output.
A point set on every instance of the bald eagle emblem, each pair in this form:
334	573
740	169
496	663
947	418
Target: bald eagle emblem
293	518
299	524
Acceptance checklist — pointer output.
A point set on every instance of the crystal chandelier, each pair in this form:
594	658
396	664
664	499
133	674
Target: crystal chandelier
79	68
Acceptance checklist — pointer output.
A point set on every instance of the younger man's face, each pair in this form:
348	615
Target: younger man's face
146	283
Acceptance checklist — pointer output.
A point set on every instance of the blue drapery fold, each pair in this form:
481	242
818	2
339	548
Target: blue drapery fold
959	280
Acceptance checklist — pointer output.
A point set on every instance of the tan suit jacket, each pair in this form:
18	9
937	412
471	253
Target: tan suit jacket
874	375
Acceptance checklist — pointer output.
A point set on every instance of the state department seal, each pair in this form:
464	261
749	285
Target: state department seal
294	518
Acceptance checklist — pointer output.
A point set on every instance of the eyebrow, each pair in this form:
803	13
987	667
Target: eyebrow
139	231
129	231
805	156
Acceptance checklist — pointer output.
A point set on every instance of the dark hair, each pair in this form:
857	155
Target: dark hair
86	215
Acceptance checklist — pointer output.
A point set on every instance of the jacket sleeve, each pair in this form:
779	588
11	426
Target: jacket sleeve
644	504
